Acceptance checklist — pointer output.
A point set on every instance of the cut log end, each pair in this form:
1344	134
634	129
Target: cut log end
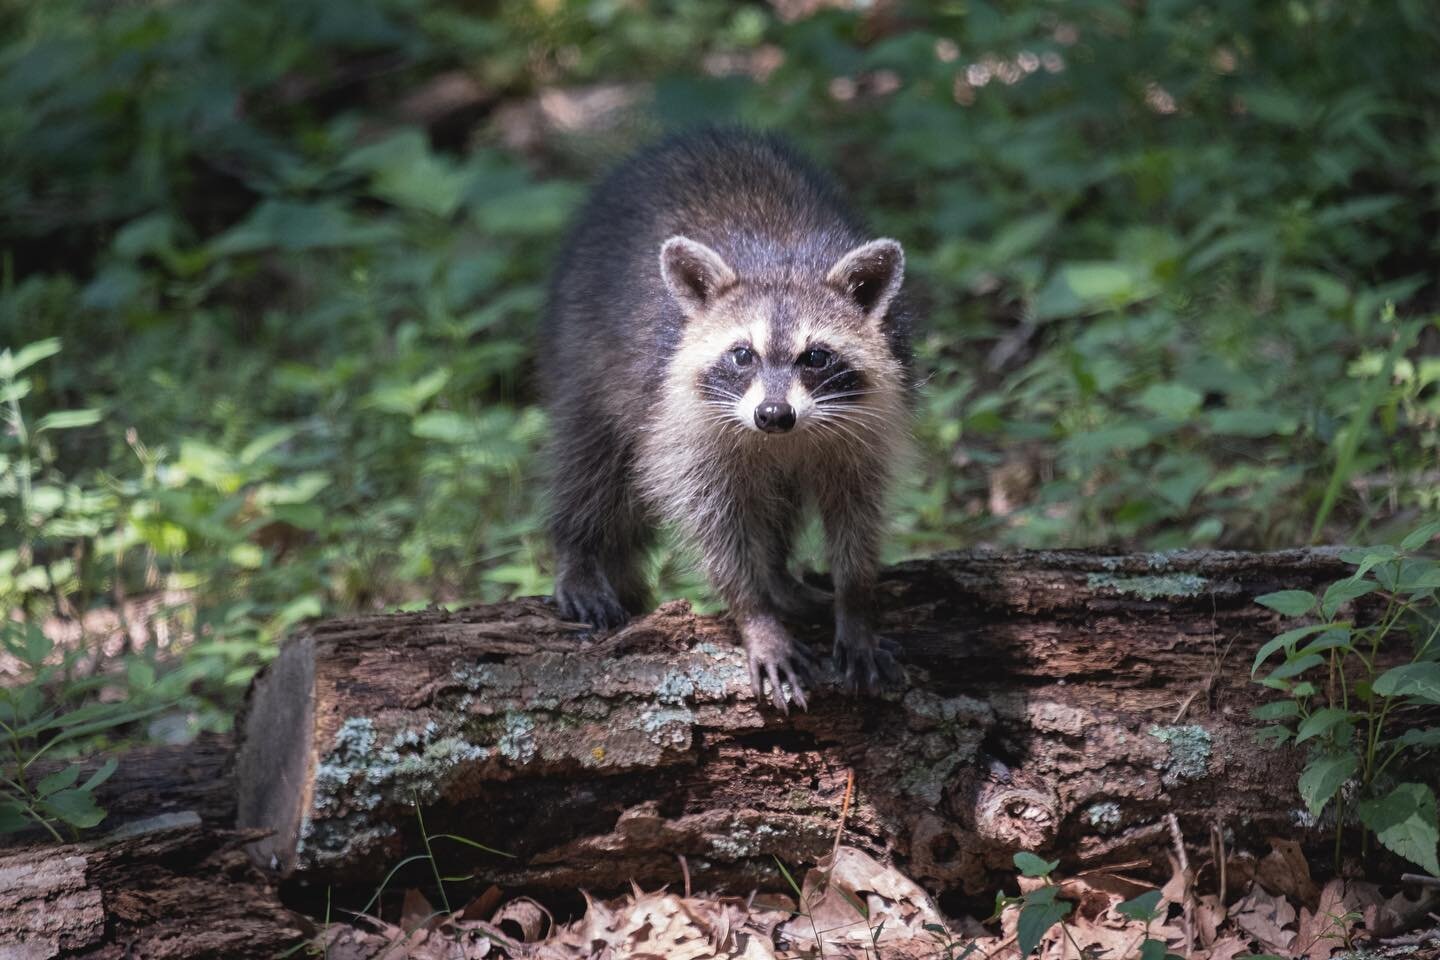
275	765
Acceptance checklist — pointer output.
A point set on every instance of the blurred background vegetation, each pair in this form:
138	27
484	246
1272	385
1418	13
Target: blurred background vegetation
269	272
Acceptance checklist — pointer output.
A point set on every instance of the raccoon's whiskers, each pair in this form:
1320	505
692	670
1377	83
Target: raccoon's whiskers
860	416
832	376
852	431
842	396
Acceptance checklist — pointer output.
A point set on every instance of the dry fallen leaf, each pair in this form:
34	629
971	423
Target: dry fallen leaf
1209	914
1285	871
1228	948
1265	916
415	911
1105	940
851	898
1328	927
527	916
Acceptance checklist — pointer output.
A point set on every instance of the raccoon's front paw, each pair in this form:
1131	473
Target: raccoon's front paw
775	656
867	662
590	600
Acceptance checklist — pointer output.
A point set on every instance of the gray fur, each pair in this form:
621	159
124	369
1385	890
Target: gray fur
682	251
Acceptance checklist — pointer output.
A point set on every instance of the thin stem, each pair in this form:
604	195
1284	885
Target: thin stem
1339	827
46	824
430	855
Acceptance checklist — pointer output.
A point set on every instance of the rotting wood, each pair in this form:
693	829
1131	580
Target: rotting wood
1055	701
166	888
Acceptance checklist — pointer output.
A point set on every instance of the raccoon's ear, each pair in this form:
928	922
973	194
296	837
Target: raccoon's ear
870	275
694	274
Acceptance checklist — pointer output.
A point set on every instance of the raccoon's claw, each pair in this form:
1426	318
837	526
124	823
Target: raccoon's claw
598	607
867	663
798	671
774	656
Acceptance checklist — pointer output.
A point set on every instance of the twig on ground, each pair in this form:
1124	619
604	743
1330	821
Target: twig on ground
844	812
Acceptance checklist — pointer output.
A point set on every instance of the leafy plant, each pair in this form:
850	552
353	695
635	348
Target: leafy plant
51	714
1040	909
1145	909
1360	713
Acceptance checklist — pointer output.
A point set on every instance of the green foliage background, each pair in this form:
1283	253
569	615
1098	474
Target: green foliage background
1156	243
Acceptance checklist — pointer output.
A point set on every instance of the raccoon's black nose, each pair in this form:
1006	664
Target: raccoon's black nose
774	417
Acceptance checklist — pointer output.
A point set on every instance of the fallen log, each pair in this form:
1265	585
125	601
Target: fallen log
149	781
1057	701
168	887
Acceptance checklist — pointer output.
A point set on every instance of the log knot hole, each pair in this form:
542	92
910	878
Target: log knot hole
1018	817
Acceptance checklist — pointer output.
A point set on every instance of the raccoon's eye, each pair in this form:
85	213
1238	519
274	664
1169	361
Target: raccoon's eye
815	359
742	356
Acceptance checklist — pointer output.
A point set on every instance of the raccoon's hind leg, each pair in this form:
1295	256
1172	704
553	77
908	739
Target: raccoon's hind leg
793	599
600	532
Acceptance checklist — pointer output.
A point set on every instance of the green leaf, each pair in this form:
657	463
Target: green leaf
139	676
1142	908
788	879
59	780
1420	536
1420	680
1174	401
1410	575
1323	778
100	775
1101	281
1367	557
1320	722
1286	641
1338	637
445	425
1405	822
1037	917
1251	423
408	174
91	718
1121	437
37	645
75	807
1278	710
1291	603
1343	591
67	420
293	226
14	364
1273	735
1420	739
1152	950
1296	666
1030	865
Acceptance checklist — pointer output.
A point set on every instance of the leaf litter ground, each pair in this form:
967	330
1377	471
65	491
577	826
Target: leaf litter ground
852	906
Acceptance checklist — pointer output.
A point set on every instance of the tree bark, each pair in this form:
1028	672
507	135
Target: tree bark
1063	702
167	888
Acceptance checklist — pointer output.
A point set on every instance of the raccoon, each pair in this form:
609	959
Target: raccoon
725	345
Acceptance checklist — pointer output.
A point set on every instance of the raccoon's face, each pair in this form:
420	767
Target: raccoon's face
787	354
